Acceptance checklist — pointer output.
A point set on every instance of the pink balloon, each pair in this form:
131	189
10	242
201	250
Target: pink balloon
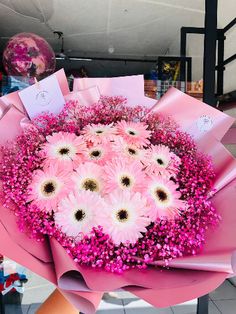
27	54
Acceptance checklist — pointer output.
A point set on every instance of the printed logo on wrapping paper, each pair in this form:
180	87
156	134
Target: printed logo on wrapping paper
204	123
43	98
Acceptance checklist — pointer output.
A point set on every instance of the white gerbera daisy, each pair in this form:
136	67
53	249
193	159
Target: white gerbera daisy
88	176
163	194
99	133
99	154
48	187
127	150
65	149
160	160
124	218
125	175
134	132
77	215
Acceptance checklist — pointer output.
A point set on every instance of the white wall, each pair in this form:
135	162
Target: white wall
226	13
195	45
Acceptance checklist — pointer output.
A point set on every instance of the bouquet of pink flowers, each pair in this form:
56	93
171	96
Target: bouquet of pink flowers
116	189
113	191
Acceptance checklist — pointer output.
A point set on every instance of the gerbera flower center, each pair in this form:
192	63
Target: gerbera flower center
64	151
91	185
160	161
80	215
132	132
95	153
132	151
122	215
162	195
49	188
125	180
99	131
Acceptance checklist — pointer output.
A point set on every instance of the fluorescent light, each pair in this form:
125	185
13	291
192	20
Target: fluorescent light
80	59
73	58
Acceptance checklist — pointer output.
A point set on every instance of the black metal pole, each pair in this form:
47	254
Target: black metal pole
220	63
189	71
210	52
183	44
202	304
2	306
230	25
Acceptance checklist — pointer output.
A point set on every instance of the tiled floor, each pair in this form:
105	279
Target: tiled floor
222	300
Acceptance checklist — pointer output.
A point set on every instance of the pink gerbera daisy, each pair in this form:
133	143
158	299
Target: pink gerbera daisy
88	176
130	151
160	160
99	133
65	149
48	187
99	154
162	193
134	132
78	213
124	217
124	175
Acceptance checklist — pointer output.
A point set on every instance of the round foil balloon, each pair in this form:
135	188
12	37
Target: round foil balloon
27	54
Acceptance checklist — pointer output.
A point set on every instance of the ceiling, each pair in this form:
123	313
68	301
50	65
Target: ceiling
138	28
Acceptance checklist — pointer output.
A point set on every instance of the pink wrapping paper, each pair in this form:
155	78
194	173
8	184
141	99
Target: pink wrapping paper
192	114
62	80
230	136
11	116
85	97
12	99
110	86
188	277
131	87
